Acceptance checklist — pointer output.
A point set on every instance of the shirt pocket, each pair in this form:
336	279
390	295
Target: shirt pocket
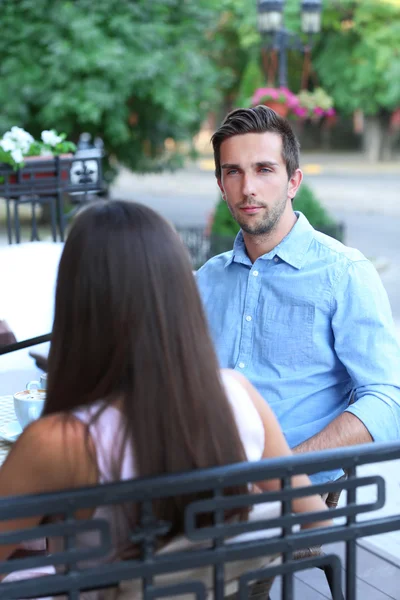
287	336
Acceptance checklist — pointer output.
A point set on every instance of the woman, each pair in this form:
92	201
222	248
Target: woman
133	384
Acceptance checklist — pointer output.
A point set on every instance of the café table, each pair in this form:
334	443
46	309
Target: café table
7	415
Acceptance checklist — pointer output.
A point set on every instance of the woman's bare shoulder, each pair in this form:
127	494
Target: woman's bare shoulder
52	453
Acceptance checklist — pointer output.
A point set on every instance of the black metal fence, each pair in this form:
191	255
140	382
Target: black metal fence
201	247
46	182
216	547
207	559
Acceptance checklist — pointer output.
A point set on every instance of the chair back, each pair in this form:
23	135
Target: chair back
205	560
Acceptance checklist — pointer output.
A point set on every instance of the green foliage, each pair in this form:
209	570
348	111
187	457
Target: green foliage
224	224
252	78
307	203
357	57
237	44
135	73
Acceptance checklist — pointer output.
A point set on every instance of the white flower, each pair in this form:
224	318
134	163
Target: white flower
50	137
7	144
21	134
19	138
17	155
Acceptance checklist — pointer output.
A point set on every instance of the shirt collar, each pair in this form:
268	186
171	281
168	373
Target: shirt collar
292	249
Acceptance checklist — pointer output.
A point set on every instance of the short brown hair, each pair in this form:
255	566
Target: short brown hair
259	119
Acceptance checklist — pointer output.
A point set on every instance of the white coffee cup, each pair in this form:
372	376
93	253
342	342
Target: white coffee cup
43	381
28	405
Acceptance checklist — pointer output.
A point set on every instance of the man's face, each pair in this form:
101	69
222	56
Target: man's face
254	181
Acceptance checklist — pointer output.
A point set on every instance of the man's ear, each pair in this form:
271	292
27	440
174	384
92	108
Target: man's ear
294	183
221	188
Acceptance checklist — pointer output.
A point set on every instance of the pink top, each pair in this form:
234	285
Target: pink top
107	431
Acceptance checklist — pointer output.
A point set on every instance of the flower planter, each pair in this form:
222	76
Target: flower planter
330	121
280	108
47	163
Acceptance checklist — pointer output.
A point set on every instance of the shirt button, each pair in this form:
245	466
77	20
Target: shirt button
255	273
248	318
242	365
276	259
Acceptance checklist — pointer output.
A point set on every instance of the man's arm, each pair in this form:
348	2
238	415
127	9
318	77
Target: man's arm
345	430
366	344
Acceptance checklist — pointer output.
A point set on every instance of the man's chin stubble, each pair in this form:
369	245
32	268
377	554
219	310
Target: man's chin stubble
263	229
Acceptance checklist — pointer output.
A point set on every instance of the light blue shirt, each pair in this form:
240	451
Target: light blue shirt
308	324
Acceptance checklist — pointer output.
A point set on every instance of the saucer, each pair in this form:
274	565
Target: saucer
10	432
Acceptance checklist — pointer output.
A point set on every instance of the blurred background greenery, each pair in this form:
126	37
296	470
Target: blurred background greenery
144	76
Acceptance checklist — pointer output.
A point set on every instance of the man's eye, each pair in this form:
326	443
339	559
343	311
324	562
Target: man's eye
232	171
265	170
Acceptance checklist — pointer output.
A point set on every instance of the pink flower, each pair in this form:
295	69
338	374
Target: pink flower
261	93
331	112
300	111
293	102
283	95
319	111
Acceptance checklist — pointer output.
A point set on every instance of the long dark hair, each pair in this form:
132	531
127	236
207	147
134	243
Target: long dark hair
129	324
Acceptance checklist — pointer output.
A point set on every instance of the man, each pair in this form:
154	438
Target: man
305	318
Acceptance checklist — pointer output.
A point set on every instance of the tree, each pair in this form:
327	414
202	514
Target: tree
136	73
237	45
358	62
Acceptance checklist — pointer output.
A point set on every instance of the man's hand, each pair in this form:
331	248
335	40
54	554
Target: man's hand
345	430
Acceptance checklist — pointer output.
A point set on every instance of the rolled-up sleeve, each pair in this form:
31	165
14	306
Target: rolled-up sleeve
367	345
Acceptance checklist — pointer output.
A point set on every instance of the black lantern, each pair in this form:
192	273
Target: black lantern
311	16
270	15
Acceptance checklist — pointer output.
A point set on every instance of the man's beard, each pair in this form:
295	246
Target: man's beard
267	224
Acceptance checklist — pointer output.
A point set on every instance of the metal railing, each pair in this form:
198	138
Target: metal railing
201	246
218	554
46	181
214	546
40	339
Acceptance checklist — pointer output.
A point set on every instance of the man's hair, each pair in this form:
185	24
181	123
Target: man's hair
259	119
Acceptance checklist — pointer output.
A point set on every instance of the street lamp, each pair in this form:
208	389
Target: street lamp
311	16
270	15
275	36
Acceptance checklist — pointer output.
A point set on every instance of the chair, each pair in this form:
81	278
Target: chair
155	574
332	501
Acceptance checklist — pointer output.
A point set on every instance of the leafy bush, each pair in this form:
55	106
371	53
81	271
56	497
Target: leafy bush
224	224
307	203
141	75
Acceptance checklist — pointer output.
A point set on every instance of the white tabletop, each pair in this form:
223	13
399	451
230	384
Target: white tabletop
7	415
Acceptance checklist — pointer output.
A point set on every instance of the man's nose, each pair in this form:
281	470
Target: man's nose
249	188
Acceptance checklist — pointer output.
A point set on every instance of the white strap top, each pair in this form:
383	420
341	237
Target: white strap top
107	433
107	430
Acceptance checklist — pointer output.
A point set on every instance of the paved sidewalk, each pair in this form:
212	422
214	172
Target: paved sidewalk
385	544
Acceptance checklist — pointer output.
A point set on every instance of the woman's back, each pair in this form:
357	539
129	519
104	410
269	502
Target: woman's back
107	435
129	324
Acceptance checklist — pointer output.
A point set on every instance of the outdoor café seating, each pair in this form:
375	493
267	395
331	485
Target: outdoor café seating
229	559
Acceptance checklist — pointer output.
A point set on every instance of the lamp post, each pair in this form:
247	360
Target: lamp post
275	36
